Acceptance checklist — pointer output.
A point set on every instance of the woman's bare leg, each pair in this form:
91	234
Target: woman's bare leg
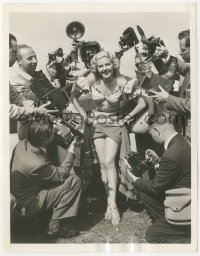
100	148
110	153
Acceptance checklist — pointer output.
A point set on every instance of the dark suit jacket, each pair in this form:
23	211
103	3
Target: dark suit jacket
31	172
174	170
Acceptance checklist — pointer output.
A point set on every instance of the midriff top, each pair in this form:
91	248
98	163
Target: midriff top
105	99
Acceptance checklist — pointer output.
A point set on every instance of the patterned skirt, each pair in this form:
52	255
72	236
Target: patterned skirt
126	185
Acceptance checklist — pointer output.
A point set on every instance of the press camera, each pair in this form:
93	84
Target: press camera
149	44
66	128
138	165
65	132
87	50
127	41
57	54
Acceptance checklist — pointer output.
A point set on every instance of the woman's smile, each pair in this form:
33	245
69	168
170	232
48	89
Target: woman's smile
105	67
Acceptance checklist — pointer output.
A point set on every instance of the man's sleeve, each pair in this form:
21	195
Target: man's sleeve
15	111
165	176
28	94
24	87
178	104
183	68
14	96
50	174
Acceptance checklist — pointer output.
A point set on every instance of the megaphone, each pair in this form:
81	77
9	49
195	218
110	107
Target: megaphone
75	30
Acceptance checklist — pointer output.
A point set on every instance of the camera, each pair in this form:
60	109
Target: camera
63	136
54	55
45	92
88	50
66	130
137	164
127	41
149	44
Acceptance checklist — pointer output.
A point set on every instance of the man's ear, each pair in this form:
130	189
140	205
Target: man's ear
19	61
157	131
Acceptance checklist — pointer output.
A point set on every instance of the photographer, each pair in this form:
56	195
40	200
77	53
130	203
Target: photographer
57	67
17	101
37	184
21	73
180	104
174	172
144	140
62	68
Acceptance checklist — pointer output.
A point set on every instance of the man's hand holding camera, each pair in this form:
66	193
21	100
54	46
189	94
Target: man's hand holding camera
151	156
133	177
161	52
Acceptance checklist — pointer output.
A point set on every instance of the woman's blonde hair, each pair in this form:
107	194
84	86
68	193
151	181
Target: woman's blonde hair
104	54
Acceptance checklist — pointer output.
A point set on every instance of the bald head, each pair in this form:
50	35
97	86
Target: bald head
27	59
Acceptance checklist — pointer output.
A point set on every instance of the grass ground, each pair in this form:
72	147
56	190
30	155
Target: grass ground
91	226
90	221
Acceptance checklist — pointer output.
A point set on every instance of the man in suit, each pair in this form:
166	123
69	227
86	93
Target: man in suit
37	184
174	172
180	104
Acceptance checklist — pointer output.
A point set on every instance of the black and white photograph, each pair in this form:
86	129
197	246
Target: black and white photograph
100	127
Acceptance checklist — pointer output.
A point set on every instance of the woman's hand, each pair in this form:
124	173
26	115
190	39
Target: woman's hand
121	122
126	120
130	86
82	83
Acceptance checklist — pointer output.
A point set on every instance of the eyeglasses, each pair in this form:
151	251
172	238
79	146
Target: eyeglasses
139	64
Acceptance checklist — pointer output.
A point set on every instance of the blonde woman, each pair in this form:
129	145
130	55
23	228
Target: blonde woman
106	87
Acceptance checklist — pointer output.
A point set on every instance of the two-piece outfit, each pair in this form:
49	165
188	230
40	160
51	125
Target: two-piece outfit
106	116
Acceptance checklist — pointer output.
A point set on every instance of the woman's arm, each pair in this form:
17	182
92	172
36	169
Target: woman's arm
74	97
140	106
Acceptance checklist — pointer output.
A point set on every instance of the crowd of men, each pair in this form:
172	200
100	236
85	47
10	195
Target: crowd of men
38	185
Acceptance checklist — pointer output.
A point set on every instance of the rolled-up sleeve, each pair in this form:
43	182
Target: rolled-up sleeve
178	104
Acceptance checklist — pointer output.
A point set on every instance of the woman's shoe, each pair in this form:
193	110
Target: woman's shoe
115	216
108	214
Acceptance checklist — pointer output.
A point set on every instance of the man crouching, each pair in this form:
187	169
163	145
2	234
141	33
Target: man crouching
37	184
